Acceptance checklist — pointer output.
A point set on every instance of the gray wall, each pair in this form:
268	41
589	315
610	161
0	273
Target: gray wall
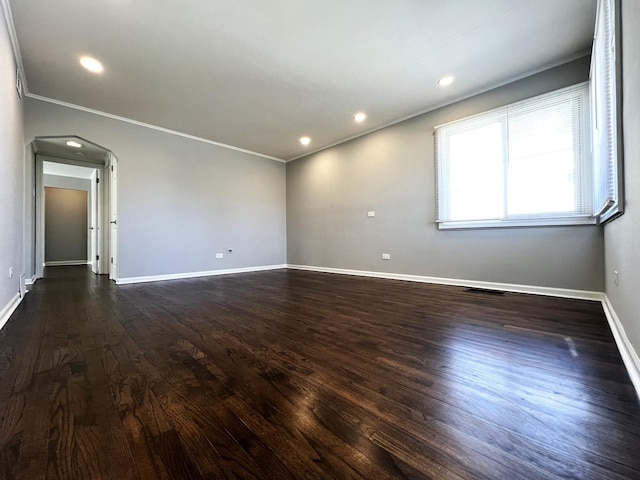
11	172
70	183
391	171
66	226
622	236
180	201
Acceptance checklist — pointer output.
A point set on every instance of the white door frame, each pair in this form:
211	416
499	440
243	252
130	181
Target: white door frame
94	222
103	235
38	268
112	170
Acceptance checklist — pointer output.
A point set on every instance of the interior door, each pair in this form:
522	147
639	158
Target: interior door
113	218
94	224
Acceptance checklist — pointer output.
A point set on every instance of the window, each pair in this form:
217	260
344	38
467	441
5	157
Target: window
544	161
605	114
524	164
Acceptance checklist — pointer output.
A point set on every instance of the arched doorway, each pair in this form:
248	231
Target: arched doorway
73	156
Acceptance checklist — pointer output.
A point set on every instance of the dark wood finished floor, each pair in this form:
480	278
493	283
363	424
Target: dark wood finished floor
290	374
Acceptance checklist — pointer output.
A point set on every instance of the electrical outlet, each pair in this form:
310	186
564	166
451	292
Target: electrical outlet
615	277
10	272
219	255
386	256
371	214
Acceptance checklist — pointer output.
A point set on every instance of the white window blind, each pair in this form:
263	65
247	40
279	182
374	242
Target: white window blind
607	161
524	164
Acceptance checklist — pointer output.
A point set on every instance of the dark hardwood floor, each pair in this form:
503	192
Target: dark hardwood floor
291	374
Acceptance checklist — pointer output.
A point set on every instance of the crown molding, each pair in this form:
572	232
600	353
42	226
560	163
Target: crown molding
148	125
8	17
18	58
515	78
6	8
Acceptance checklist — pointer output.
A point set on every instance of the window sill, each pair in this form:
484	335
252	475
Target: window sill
529	222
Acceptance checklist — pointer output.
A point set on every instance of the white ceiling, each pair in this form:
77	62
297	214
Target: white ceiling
259	74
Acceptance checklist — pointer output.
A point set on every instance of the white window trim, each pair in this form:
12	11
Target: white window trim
606	68
511	223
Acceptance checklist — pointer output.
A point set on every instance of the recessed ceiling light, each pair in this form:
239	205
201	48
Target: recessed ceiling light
71	143
91	64
446	80
360	117
305	140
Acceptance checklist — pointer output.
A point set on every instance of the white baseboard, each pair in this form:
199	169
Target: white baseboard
179	276
30	281
66	263
509	287
628	353
9	308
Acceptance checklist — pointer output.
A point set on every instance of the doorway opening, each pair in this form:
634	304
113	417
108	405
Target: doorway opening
70	215
75	165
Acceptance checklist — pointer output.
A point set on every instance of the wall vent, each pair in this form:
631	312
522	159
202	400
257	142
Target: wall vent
485	291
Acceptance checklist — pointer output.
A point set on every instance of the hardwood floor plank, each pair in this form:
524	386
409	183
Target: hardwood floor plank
374	390
291	374
148	431
266	372
208	443
85	434
359	358
262	390
22	440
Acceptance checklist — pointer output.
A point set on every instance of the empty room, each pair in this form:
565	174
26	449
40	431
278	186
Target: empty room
319	240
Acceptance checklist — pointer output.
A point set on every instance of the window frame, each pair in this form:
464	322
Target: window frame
609	69
526	220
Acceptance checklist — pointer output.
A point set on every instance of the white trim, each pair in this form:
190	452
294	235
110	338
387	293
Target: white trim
13	37
627	352
581	54
30	281
9	308
509	287
148	125
66	263
210	273
511	223
103	197
111	218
